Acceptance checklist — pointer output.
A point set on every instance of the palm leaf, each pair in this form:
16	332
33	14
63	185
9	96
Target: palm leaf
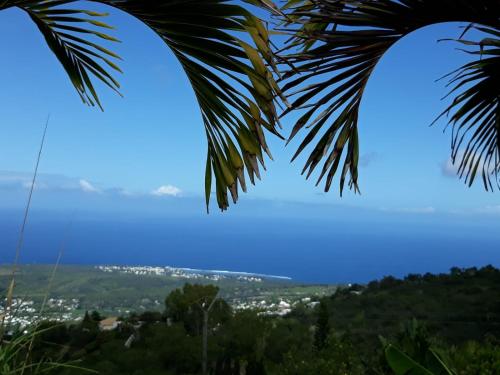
68	32
336	45
231	78
475	112
225	52
402	364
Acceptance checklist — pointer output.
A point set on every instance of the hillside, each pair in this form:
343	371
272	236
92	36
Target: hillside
120	290
459	306
458	318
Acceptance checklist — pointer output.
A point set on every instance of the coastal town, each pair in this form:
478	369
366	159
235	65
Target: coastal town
266	294
188	273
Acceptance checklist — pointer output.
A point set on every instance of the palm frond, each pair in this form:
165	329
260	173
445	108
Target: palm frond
225	52
475	112
67	33
335	47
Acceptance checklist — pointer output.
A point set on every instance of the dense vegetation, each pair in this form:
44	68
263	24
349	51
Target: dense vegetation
457	319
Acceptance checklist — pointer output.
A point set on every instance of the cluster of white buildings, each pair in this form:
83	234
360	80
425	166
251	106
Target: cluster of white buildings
22	312
182	273
160	271
281	307
62	304
251	279
136	270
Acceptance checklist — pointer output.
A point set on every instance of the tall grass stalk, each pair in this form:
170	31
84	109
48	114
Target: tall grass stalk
44	302
20	241
10	351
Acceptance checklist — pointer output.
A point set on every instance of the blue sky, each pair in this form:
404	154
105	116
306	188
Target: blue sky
153	137
145	154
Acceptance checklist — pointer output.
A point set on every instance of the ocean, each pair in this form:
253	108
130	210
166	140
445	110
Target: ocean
310	251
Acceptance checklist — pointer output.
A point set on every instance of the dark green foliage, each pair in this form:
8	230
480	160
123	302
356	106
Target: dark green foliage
477	358
415	353
288	336
457	337
337	357
40	349
95	316
322	326
402	364
151	317
242	338
186	306
457	307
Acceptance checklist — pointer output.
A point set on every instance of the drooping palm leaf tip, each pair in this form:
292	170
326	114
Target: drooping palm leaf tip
223	49
72	35
475	117
231	78
335	47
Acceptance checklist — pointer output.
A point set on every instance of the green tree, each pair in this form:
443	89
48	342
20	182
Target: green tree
287	335
88	323
475	358
243	339
186	306
337	357
322	325
95	316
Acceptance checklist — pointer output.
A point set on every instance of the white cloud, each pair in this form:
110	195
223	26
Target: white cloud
448	169
23	180
53	183
167	190
38	185
87	187
126	193
491	209
421	210
412	210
